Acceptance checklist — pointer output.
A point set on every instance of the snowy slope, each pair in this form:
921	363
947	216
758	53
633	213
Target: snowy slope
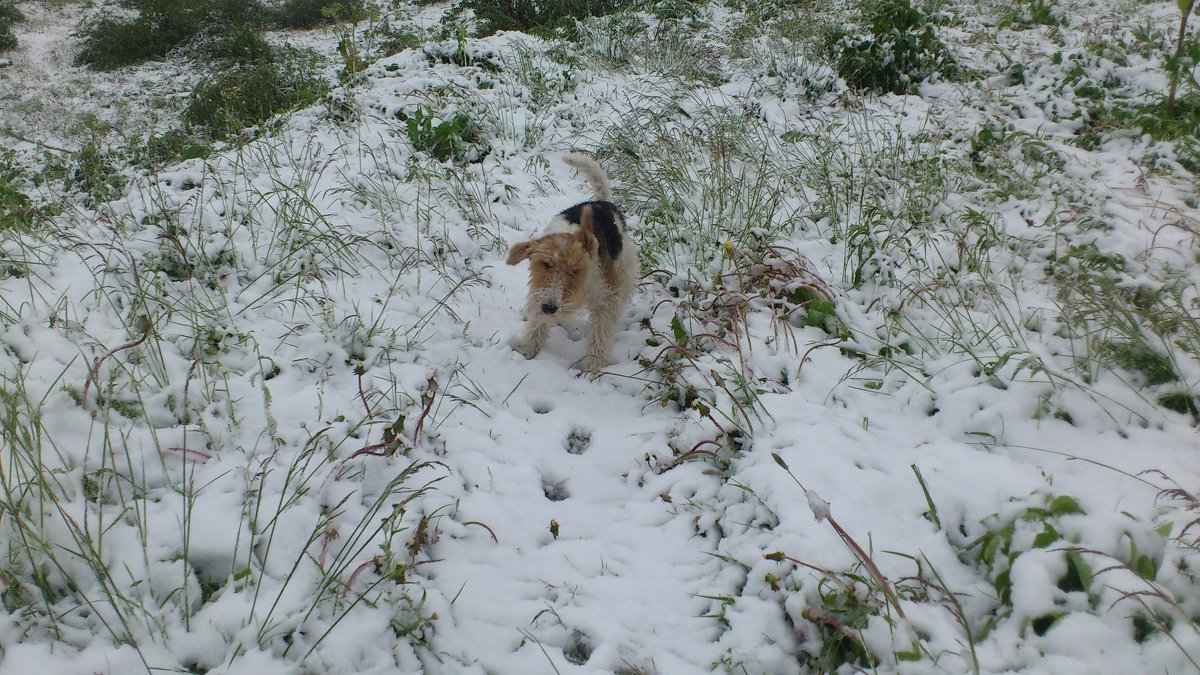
263	415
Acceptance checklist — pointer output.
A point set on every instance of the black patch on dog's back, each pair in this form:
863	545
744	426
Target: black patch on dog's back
607	225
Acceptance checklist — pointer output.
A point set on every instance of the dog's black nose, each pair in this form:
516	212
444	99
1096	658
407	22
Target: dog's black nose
549	308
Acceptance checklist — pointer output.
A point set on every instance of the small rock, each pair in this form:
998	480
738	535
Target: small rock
4	63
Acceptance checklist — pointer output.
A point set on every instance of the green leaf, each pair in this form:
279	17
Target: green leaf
1063	505
196	152
1042	624
996	542
1164	530
681	335
1034	514
1003	586
1048	536
1079	573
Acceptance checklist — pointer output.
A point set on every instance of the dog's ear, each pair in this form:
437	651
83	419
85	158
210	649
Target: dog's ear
586	235
519	252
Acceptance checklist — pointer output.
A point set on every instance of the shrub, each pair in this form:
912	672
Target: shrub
240	44
249	94
527	15
902	50
310	13
160	26
9	14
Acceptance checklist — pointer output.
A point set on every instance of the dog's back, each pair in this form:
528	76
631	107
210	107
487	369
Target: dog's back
607	225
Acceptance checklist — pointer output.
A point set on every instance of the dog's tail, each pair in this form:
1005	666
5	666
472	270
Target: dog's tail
592	171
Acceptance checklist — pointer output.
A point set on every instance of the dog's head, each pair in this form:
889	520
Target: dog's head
559	265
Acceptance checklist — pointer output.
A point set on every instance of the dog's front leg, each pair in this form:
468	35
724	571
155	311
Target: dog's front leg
536	333
601	328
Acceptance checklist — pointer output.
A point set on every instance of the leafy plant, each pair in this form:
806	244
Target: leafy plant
902	49
443	139
1037	528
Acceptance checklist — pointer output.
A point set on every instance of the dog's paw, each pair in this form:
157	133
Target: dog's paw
590	363
527	349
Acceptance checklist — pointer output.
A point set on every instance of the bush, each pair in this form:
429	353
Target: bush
249	94
525	15
240	44
9	14
903	49
161	25
310	13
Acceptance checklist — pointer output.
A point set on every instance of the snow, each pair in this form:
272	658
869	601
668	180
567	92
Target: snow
328	458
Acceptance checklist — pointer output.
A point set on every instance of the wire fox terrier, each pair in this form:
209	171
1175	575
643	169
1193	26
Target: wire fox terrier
584	260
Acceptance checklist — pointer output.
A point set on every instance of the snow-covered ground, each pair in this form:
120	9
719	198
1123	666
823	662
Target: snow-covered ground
261	414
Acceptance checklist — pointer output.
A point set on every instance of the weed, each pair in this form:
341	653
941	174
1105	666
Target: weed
462	53
1146	331
16	210
847	602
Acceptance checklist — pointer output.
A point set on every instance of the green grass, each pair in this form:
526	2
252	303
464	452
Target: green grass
360	553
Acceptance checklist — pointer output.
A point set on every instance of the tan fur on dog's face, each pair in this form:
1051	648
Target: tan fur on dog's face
559	265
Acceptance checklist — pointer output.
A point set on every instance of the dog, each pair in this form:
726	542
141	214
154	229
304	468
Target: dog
584	260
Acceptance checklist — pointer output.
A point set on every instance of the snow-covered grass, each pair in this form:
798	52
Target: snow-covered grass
909	386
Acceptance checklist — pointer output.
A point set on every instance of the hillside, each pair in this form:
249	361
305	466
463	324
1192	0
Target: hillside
909	384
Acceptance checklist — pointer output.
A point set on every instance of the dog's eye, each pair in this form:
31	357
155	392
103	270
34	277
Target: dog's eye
545	265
